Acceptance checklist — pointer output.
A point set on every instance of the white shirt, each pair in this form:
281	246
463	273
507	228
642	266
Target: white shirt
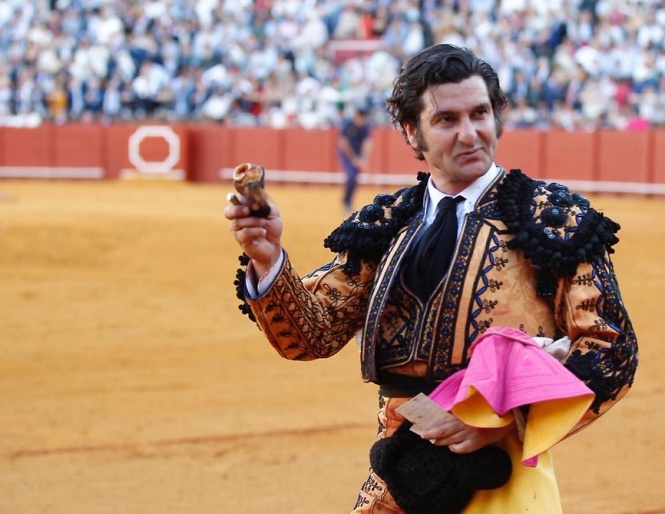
471	195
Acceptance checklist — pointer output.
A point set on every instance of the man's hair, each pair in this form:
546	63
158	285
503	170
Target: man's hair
440	64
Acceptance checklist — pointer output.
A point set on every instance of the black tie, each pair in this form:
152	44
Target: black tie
430	257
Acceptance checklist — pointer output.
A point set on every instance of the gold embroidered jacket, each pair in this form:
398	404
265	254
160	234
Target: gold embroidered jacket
532	256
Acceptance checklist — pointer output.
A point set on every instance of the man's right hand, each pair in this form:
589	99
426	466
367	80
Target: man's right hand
260	238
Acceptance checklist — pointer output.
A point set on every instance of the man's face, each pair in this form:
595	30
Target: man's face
456	133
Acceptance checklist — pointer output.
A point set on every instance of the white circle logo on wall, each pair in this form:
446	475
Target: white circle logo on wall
154	168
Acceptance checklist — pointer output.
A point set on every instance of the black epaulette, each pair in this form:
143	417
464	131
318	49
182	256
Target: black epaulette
366	234
556	229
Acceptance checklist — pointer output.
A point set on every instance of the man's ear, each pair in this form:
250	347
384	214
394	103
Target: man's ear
411	136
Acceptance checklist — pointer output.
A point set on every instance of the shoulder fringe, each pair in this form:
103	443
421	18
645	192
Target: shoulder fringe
558	236
366	235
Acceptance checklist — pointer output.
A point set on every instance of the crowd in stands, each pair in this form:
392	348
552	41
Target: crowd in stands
574	64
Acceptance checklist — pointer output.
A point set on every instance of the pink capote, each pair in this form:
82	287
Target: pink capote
508	369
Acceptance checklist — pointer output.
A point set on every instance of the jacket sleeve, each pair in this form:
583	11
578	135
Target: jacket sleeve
604	352
315	316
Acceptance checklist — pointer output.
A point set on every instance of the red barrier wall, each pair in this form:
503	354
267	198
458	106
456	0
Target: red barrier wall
309	150
259	145
624	156
211	150
658	162
28	147
399	159
78	145
569	155
603	160
522	149
151	150
377	159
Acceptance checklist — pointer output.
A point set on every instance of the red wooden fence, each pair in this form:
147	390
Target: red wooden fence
632	162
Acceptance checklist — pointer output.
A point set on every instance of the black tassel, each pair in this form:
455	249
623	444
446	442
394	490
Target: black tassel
239	283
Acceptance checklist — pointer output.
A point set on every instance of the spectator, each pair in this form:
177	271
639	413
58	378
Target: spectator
6	95
414	39
182	90
218	106
348	23
111	107
380	21
105	45
56	100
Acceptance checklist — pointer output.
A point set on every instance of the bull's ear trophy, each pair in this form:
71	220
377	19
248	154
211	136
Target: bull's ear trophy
249	181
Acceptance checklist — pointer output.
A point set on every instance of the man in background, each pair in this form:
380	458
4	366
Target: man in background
354	145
